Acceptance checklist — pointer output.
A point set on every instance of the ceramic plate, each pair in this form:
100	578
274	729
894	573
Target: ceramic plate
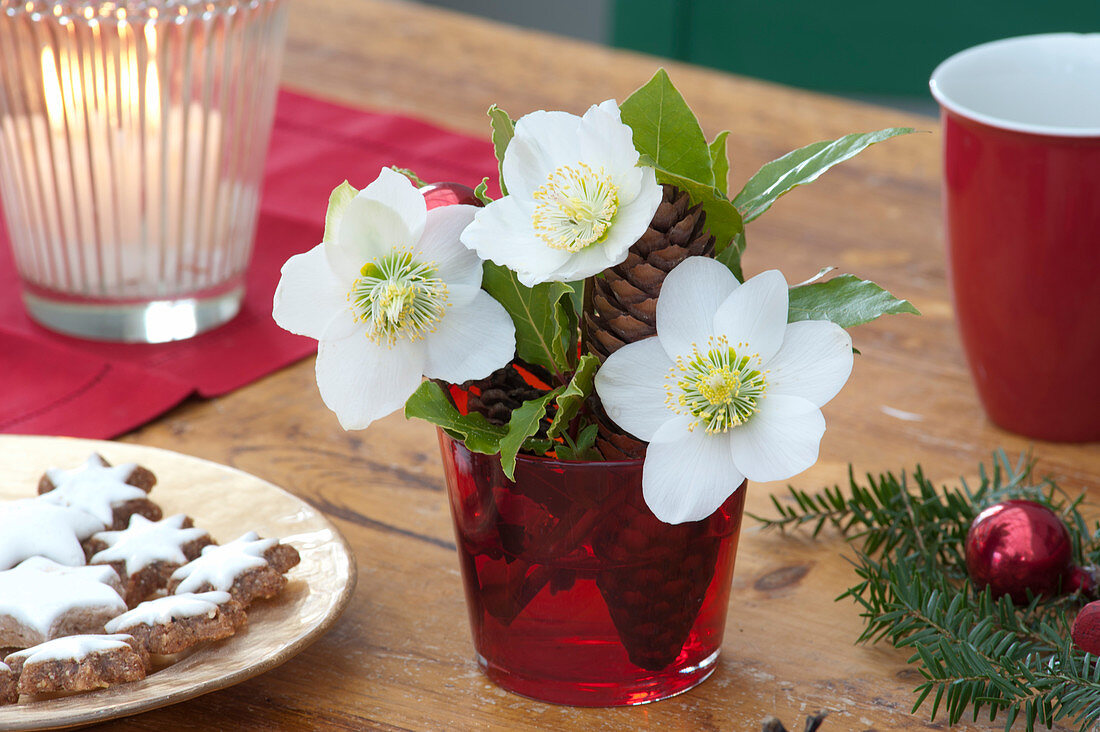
226	502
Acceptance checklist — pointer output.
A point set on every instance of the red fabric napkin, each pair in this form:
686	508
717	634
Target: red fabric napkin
55	384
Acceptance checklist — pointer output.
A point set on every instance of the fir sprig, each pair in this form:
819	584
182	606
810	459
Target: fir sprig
974	651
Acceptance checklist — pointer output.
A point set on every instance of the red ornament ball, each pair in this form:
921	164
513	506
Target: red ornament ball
1016	546
1086	629
447	194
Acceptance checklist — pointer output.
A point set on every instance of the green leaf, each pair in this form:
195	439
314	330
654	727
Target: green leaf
695	189
408	173
845	300
542	320
538	445
720	162
576	392
480	193
667	131
566	321
583	449
577	296
568	317
338	200
724	221
429	403
803	166
731	257
503	131
523	423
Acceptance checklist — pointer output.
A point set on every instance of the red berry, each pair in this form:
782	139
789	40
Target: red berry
1086	628
447	194
1016	546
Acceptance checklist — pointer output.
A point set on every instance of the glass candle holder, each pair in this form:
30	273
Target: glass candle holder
132	141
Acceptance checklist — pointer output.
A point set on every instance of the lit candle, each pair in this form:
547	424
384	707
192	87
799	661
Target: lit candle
127	171
132	138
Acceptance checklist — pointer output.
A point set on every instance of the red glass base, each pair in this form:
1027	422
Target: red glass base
577	594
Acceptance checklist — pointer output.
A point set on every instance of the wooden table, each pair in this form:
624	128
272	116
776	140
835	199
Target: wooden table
401	657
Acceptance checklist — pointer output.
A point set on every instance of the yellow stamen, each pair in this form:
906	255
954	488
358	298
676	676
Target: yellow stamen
575	207
719	387
397	296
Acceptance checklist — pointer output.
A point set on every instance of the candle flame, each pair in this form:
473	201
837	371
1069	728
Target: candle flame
152	81
72	93
63	92
54	108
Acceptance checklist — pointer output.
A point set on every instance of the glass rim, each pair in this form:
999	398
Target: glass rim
137	11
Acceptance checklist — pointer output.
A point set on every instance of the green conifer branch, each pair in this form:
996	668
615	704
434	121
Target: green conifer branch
975	652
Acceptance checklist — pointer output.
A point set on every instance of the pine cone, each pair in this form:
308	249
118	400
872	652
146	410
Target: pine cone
621	306
502	391
656	580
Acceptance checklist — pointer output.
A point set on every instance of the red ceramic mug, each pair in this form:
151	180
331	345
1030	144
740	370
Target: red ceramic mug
1021	121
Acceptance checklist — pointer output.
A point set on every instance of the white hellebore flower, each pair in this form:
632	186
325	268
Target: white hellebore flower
726	390
576	197
392	295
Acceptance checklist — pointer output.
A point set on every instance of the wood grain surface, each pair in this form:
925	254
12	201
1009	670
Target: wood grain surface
401	657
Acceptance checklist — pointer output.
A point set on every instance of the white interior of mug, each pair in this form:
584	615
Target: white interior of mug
1045	84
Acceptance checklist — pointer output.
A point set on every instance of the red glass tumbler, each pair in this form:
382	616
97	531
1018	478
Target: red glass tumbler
577	594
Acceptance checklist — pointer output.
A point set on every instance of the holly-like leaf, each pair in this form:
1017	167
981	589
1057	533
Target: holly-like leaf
480	193
803	166
429	403
845	300
576	392
666	130
338	200
523	424
720	162
503	131
541	317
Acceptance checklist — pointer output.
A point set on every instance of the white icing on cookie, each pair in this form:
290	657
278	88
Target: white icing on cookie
71	648
5	667
145	542
93	488
30	527
95	460
39	591
164	610
219	566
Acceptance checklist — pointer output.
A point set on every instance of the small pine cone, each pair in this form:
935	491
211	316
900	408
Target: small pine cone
500	392
621	306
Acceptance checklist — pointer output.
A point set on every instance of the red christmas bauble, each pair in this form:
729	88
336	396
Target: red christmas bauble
1016	546
1086	629
446	194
